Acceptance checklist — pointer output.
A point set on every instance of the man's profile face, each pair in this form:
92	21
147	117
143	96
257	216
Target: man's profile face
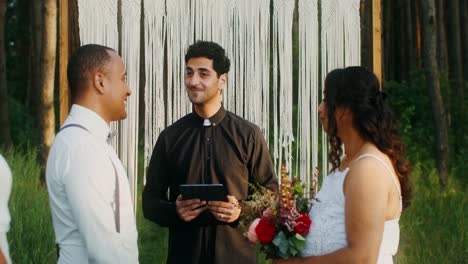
117	90
202	82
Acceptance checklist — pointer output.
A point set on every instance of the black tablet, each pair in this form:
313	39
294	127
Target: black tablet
204	192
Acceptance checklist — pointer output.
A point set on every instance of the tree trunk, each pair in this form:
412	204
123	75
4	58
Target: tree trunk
366	33
73	30
455	69
429	23
4	124
21	50
410	37
464	36
442	56
35	51
30	86
417	22
441	38
47	119
464	43
63	46
389	41
377	39
69	41
403	49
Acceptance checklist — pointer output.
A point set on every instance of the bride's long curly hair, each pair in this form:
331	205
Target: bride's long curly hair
357	89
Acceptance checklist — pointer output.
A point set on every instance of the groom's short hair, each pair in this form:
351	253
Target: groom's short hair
85	60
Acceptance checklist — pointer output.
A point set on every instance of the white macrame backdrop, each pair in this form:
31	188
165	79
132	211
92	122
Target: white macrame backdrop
341	42
98	25
283	14
244	29
241	26
98	22
177	26
155	107
307	135
128	129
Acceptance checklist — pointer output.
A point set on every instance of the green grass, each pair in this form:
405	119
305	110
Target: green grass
433	230
152	239
31	235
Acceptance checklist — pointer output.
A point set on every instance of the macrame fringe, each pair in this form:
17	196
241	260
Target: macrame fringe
307	136
128	129
155	105
283	14
244	29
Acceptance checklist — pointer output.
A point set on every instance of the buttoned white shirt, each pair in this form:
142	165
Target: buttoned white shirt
5	189
81	184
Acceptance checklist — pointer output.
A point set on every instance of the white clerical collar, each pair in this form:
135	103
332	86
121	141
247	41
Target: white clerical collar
206	122
91	120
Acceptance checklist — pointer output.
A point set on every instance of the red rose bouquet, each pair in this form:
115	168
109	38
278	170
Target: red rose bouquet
279	222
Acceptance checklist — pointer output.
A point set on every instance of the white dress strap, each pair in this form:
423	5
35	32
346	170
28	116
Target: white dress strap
388	169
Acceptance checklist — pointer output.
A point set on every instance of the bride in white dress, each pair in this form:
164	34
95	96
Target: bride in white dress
360	201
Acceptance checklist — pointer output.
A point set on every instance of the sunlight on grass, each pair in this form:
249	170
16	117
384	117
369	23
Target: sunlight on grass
31	235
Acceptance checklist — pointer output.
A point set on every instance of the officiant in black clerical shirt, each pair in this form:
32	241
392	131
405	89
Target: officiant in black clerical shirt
209	145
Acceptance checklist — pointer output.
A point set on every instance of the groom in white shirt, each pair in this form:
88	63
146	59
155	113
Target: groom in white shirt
89	193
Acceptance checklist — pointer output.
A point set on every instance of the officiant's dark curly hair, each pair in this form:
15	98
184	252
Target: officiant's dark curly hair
212	51
357	89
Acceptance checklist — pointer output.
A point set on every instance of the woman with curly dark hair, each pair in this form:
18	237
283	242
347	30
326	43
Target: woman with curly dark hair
360	201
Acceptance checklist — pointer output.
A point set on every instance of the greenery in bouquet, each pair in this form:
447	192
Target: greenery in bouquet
278	221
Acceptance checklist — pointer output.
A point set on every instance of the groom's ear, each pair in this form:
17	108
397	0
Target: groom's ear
98	81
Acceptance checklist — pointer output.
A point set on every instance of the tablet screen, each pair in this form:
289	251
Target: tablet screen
204	192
